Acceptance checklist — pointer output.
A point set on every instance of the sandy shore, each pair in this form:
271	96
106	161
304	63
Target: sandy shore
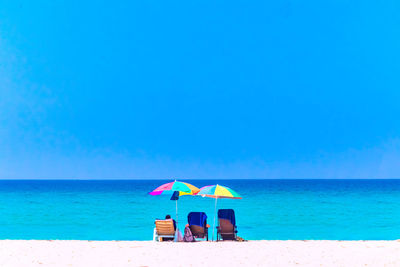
146	253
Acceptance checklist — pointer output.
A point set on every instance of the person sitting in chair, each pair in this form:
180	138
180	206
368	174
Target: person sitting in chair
168	217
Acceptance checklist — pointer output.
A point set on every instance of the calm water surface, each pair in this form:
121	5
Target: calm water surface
270	209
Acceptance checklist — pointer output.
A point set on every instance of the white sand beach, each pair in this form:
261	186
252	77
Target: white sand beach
147	253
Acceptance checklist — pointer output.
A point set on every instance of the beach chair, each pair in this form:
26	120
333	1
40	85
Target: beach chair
226	230
197	223
164	230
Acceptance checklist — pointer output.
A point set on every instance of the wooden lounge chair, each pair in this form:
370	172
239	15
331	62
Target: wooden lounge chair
198	224
227	225
164	230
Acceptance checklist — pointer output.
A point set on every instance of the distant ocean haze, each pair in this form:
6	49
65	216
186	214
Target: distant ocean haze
270	209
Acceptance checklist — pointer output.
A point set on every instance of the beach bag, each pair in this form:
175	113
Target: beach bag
188	237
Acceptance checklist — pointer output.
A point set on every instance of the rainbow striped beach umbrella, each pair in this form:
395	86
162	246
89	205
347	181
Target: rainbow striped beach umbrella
217	191
172	187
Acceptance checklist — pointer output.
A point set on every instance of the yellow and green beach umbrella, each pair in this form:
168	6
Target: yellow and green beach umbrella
217	191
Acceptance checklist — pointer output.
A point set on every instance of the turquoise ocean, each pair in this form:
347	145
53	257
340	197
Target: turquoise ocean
270	209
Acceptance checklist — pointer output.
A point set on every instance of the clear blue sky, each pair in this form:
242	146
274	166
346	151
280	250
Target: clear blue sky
199	89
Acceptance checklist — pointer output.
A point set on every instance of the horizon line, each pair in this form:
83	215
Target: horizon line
169	179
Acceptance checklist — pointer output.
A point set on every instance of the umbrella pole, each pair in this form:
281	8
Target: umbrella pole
215	213
177	229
